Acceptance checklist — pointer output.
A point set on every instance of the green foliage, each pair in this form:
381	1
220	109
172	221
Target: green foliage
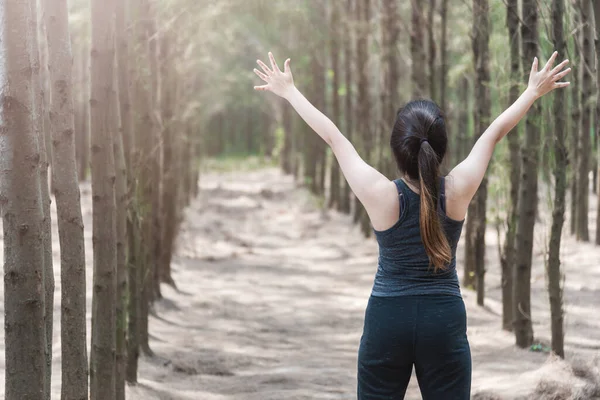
235	162
279	138
219	42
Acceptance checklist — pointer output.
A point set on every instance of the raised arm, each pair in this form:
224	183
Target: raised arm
371	187
467	176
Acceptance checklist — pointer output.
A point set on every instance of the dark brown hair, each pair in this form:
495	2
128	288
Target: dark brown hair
419	144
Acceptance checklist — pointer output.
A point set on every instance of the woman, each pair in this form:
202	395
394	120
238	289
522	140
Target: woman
415	315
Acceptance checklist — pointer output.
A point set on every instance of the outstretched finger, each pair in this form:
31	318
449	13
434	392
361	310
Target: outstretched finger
262	88
273	63
559	67
562	74
286	66
561	84
534	66
264	67
260	75
550	62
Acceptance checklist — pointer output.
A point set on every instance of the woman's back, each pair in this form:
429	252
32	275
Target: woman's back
404	267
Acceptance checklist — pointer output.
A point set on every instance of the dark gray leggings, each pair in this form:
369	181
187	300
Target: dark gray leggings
429	332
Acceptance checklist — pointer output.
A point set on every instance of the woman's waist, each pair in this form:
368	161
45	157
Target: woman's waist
404	282
417	269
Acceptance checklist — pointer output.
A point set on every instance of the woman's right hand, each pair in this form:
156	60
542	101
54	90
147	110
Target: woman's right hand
546	80
280	83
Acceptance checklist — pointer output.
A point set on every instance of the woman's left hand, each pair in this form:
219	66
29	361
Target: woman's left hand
278	82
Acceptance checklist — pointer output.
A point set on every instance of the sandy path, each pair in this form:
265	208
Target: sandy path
272	301
272	294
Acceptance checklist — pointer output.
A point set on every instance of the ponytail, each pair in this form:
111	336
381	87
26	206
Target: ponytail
432	235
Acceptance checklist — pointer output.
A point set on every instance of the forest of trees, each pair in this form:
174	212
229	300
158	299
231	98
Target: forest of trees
91	90
131	94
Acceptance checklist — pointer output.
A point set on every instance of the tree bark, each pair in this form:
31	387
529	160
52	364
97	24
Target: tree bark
560	190
431	50
311	148
463	120
84	133
22	209
170	171
155	159
597	42
134	282
444	56
583	150
122	153
66	191
363	113
528	198
575	115
348	100
481	36
121	200
389	99
334	190
102	368
133	270
142	98
287	153
42	128
320	100
507	258
417	52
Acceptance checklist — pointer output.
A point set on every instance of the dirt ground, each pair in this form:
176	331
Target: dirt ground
271	297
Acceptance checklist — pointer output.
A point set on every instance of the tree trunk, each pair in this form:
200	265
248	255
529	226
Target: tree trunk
390	32
469	281
66	191
320	89
583	150
170	172
348	101
463	119
287	154
528	198
195	157
575	115
311	147
334	198
432	50
481	38
78	79
84	134
40	80
451	157
155	159
597	42
120	109
444	56
142	98
22	210
417	52
507	258
133	272
102	368
121	200
134	282
560	190
363	114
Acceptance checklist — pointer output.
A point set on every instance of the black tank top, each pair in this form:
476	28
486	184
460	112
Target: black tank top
403	267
